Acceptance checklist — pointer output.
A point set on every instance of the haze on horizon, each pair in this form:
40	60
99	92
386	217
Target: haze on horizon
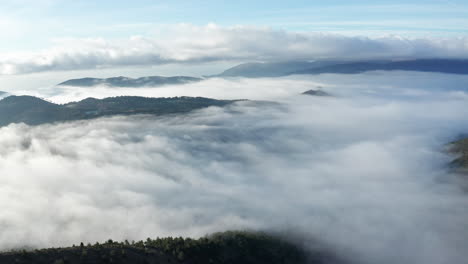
53	40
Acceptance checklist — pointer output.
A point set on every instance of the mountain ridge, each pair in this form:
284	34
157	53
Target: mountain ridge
460	149
270	69
35	111
121	81
420	65
279	69
228	247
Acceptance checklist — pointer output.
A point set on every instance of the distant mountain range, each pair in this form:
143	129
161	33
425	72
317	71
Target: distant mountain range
272	69
33	111
149	81
277	69
426	65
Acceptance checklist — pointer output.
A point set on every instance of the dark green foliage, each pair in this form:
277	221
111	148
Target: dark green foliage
228	248
33	111
460	148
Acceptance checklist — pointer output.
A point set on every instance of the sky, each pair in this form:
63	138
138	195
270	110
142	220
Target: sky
204	37
33	24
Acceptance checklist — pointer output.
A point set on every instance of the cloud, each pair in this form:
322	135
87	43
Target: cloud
362	172
277	88
186	43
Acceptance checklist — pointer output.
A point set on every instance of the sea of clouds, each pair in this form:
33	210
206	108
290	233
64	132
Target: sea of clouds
363	171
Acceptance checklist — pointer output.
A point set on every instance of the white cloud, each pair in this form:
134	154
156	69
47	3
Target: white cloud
186	43
276	88
362	171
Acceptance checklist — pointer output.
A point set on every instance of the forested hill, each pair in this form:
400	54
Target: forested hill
278	69
221	248
33	111
460	148
149	81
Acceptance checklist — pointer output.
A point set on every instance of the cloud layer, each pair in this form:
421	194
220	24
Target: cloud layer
362	172
193	44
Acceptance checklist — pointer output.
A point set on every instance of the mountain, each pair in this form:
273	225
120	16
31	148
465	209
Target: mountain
222	248
421	65
150	81
316	93
27	109
33	111
277	69
273	69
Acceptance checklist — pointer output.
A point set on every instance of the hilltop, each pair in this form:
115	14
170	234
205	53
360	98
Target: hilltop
231	247
34	111
317	92
149	81
271	69
278	69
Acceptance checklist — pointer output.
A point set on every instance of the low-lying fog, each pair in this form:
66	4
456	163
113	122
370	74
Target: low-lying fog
363	171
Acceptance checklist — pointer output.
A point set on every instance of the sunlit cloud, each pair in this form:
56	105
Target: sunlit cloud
187	43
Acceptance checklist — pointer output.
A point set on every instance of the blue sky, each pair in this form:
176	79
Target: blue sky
66	35
32	25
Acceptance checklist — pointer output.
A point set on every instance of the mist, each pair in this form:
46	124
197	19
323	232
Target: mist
363	171
279	89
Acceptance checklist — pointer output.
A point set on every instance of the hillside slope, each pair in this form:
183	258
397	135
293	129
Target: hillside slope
421	65
149	81
271	69
460	148
278	69
33	111
221	248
